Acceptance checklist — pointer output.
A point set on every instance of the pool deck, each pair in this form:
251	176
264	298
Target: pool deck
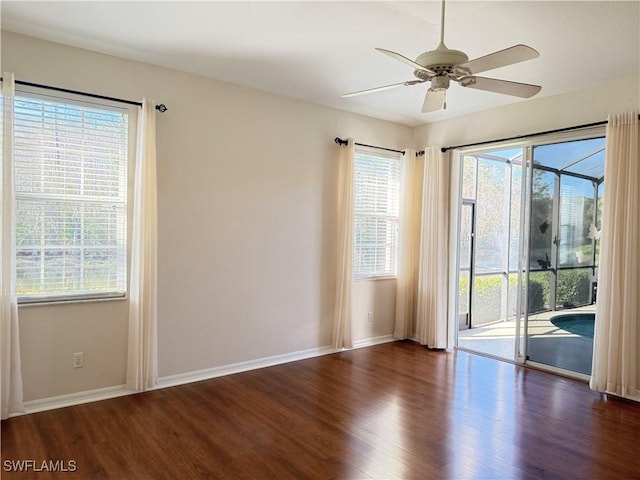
498	339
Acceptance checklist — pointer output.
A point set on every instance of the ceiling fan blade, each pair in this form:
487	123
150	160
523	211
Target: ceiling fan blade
524	90
384	87
502	58
433	101
404	59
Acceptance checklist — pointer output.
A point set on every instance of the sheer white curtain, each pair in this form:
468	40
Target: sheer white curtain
342	337
433	298
142	362
615	346
10	371
409	245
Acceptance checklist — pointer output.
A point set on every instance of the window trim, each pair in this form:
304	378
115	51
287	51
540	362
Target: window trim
131	112
391	155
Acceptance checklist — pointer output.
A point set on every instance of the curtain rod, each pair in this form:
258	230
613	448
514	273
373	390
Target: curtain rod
528	135
160	107
341	142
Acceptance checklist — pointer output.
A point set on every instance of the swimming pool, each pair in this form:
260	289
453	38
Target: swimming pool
578	323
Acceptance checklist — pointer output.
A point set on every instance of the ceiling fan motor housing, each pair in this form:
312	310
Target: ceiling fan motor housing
442	59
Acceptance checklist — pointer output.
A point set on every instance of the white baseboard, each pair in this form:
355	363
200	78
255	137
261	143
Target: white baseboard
50	403
368	342
208	373
70	399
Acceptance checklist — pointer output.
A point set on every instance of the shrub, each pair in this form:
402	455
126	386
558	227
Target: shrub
573	287
536	296
539	291
487	298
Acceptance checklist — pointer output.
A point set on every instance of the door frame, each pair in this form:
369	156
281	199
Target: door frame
472	233
457	157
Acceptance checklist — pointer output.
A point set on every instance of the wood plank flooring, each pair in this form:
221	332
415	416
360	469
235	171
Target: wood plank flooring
390	411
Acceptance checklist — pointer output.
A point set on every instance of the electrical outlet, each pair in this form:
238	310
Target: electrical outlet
78	360
370	317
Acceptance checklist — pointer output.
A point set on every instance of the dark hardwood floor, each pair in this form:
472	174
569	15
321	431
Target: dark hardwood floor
390	411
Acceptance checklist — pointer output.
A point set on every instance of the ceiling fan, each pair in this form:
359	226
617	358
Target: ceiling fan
443	64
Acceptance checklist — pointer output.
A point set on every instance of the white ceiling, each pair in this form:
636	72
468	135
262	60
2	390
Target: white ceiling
316	51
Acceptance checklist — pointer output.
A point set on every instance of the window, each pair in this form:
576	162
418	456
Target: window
376	207
71	199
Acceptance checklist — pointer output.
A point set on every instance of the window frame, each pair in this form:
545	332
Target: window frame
131	113
360	275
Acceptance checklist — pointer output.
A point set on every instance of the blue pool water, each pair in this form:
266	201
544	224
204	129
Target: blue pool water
577	323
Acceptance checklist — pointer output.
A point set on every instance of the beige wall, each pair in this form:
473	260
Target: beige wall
377	297
246	198
246	195
50	334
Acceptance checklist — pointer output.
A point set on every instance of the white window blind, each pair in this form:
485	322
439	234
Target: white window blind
71	199
376	209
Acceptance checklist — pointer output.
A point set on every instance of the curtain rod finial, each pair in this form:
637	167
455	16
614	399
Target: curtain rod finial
339	141
161	108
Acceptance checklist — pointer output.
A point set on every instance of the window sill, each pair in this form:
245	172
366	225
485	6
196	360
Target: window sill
373	279
66	301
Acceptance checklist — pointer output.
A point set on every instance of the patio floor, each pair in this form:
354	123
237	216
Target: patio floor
549	344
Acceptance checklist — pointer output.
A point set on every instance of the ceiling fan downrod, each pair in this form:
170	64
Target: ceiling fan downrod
442	25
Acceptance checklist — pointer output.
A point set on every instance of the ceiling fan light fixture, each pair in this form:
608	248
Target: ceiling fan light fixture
441	82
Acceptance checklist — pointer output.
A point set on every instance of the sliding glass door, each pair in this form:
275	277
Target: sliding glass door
489	245
567	190
529	227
